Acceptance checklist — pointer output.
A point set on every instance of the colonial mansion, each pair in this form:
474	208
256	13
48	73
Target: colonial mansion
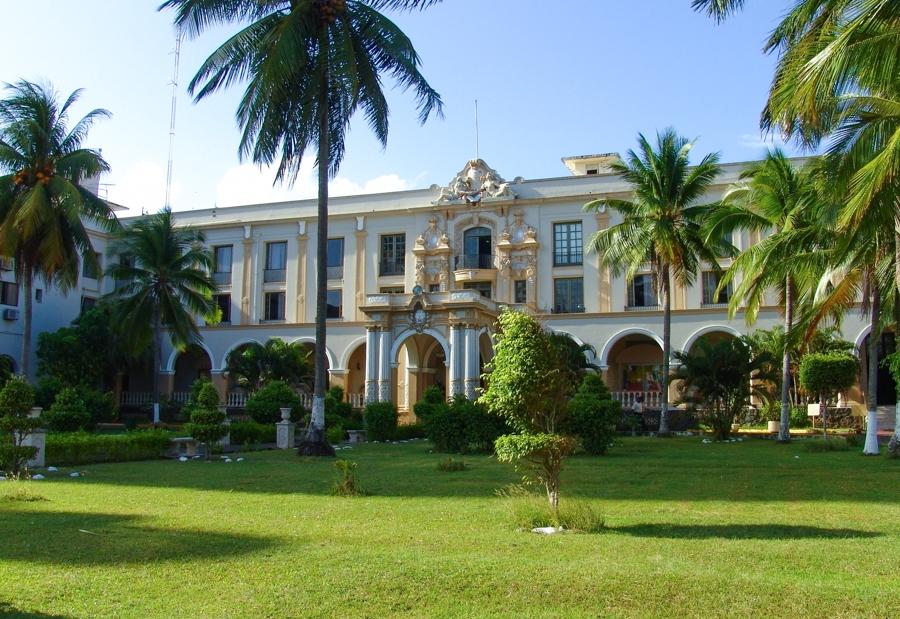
417	278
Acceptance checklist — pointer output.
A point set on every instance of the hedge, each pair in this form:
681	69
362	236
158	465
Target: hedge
83	448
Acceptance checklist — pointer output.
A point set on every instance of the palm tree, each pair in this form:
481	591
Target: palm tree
773	196
43	207
254	364
310	65
662	224
163	281
718	9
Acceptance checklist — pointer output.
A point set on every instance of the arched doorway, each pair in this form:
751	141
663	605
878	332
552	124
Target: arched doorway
634	369
191	364
477	249
355	384
420	364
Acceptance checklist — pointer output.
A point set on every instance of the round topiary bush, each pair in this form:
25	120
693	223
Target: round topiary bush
265	405
207	423
381	421
594	415
68	413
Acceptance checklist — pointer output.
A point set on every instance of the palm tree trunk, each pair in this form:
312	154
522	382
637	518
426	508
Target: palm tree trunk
667	352
27	281
784	429
316	432
157	362
871	447
897	315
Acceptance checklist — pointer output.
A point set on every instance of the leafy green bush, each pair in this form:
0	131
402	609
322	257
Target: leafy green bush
16	400
799	417
68	413
82	448
462	426
381	421
252	433
347	484
207	423
433	397
408	431
529	511
893	448
594	415
335	434
335	404
265	404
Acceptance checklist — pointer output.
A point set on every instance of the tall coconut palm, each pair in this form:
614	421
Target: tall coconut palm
662	225
43	206
163	281
310	64
774	196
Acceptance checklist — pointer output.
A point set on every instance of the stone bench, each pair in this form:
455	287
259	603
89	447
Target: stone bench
356	436
185	446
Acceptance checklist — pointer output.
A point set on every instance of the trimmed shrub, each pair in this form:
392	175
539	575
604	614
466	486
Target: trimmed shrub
408	431
462	426
16	400
265	404
207	423
381	421
432	398
252	433
82	448
335	434
799	417
68	413
335	404
445	428
594	414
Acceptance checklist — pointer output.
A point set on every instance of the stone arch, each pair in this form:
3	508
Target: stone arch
860	340
474	220
398	342
173	357
235	346
348	352
696	335
306	339
190	364
604	354
590	355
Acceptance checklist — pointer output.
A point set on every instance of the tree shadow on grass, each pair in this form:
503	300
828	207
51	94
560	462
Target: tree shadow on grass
73	538
8	610
739	531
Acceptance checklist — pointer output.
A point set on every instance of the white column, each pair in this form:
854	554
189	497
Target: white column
372	353
473	356
384	366
457	353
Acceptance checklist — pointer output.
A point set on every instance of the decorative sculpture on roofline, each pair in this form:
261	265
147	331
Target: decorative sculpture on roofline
476	182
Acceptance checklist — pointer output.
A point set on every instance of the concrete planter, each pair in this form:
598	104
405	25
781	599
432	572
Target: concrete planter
774	427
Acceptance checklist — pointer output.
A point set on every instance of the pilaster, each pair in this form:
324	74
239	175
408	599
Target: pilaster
302	244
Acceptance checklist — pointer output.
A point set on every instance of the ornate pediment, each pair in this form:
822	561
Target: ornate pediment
519	232
476	182
433	238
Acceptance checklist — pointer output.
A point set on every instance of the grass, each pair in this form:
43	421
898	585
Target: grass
732	529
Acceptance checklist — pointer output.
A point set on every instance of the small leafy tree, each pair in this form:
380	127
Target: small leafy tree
381	421
594	415
265	405
16	399
721	377
68	413
529	386
207	423
827	374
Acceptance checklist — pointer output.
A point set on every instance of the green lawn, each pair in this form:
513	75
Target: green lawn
739	529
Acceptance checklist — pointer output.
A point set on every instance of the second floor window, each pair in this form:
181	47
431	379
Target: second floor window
567	244
335	258
90	270
711	280
9	293
568	295
223	303
642	291
393	254
334	304
222	272
276	262
274	309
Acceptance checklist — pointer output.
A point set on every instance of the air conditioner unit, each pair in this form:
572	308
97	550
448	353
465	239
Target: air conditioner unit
10	314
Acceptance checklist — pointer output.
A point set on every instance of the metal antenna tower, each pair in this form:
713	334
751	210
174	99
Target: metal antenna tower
169	170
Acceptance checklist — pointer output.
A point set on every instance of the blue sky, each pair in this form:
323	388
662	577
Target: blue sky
552	79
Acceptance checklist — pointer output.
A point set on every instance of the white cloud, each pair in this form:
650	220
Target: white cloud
249	184
760	140
141	187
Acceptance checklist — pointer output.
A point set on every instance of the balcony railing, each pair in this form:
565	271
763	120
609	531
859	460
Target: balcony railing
641	308
222	279
394	266
475	261
272	276
357	400
336	272
648	399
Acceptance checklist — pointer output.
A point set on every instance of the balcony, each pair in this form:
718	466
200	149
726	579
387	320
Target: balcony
394	266
222	279
274	276
474	261
642	308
